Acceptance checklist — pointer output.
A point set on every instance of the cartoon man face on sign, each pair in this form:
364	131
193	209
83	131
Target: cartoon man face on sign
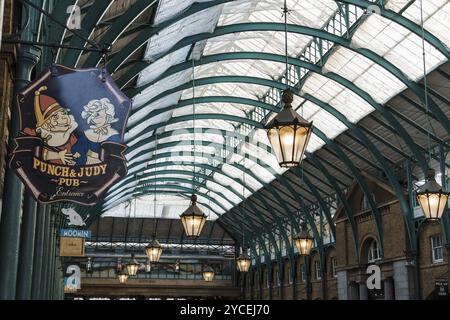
55	126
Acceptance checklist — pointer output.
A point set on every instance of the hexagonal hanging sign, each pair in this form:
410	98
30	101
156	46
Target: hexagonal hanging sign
70	146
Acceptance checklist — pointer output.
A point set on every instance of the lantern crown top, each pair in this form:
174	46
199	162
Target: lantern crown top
133	259
431	186
244	255
154	244
304	234
193	209
431	173
287	98
208	268
288	116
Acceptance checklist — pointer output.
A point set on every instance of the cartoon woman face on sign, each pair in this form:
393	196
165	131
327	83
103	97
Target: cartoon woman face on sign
99	115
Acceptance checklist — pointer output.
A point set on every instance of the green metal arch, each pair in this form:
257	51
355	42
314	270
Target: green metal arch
330	217
256	160
374	207
88	23
189	173
209	99
120	25
404	22
272	83
351	216
144	35
261	199
266	26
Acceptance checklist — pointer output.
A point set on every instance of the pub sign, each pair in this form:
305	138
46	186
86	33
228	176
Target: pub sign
70	146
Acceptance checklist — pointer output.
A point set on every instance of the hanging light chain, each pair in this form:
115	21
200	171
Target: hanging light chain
425	82
285	13
243	208
193	116
154	194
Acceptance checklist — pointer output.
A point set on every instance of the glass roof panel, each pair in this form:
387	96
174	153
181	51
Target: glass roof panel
435	14
160	66
397	45
366	74
168	9
388	39
310	13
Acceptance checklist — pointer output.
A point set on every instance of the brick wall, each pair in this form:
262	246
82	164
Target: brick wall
397	271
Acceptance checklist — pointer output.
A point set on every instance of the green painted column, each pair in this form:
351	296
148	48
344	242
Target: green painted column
38	253
45	256
26	251
307	265
12	196
53	258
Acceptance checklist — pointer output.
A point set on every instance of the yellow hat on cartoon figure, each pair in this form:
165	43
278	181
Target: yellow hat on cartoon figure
44	107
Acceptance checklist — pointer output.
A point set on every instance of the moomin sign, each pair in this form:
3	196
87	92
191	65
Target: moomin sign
71	143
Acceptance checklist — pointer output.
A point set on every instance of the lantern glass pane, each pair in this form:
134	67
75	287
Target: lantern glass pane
304	245
193	225
432	204
301	140
287	137
132	269
154	253
208	276
274	139
243	264
123	277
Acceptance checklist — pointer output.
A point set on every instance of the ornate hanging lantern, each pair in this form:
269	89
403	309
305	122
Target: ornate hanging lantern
154	250
208	274
133	266
122	276
243	261
193	219
304	241
288	133
431	198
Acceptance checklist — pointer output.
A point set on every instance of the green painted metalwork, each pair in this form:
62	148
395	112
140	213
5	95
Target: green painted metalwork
372	148
38	252
266	26
362	3
404	22
237	165
88	23
272	83
263	224
120	25
13	188
209	99
26	250
348	209
189	181
148	32
55	32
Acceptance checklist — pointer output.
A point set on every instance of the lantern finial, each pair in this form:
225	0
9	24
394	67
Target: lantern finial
287	98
